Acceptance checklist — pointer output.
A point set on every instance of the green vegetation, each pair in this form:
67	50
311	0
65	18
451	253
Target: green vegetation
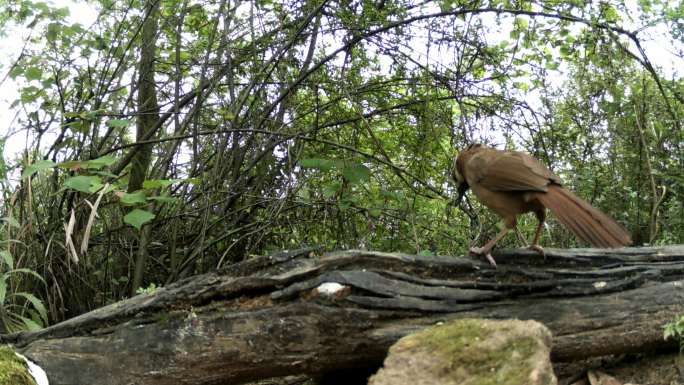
151	288
675	330
19	310
170	138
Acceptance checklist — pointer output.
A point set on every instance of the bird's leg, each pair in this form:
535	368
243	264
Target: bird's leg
487	248
541	216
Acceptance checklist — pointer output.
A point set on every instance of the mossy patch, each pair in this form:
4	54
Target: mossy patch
13	369
495	360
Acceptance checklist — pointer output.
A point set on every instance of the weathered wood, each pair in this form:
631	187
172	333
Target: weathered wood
265	317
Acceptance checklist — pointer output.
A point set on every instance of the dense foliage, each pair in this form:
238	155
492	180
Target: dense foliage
173	137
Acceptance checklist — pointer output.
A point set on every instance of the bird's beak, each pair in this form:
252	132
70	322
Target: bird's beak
462	188
458	178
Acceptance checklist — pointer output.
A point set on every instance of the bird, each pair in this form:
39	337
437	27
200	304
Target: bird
511	183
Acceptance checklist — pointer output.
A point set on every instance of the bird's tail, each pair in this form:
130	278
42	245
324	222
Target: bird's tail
585	221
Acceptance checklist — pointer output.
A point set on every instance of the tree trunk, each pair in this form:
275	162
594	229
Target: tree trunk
148	115
269	316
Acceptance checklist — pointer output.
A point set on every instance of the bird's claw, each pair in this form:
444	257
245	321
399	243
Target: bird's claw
538	249
486	253
490	259
477	250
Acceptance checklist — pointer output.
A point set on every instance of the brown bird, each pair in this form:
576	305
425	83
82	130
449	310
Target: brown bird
511	183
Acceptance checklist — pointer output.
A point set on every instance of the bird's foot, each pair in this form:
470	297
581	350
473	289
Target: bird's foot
477	250
536	247
485	252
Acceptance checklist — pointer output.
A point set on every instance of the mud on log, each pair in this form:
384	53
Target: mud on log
270	316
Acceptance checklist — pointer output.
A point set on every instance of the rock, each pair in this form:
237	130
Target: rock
471	351
597	377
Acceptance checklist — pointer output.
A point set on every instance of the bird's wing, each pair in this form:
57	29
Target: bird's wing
509	171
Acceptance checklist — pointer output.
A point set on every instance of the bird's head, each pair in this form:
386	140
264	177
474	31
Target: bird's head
456	174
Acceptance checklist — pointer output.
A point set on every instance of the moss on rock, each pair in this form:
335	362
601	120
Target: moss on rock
13	369
472	352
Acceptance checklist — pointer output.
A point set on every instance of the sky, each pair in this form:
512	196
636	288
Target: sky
657	50
11	46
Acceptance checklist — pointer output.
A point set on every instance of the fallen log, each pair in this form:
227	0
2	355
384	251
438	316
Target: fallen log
300	313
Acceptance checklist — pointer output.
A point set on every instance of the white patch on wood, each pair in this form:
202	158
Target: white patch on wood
329	288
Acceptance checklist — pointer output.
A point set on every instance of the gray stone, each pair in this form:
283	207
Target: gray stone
471	352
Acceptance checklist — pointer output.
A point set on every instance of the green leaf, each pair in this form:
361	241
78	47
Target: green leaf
375	212
100	162
37	304
152	184
11	222
304	193
356	174
344	205
39	165
551	65
321	164
565	51
71	165
137	218
331	190
26	271
53	30
3	289
30	324
7	258
521	86
393	195
521	23
82	183
33	73
29	94
133	198
91	115
106	174
95	187
610	14
16	71
118	123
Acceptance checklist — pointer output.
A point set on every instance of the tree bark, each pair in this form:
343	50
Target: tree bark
268	316
148	116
